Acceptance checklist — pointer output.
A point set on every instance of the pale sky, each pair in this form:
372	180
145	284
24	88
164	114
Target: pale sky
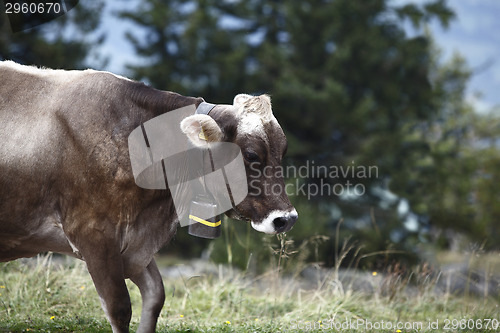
475	34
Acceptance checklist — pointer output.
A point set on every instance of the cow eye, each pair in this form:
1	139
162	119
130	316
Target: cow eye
251	157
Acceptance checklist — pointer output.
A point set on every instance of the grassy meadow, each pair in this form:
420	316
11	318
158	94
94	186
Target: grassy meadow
56	294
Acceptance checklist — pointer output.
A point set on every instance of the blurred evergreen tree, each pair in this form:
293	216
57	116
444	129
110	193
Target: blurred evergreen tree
485	149
65	42
188	49
351	87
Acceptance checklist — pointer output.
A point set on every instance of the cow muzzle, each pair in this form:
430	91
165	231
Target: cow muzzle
276	222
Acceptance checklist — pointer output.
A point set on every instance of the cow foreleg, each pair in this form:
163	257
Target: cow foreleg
106	271
150	284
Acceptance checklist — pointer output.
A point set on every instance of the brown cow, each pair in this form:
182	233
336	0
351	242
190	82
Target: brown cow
66	183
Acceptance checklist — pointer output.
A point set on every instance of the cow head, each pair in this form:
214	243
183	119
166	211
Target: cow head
250	124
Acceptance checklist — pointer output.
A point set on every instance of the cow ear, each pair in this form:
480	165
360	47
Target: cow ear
200	129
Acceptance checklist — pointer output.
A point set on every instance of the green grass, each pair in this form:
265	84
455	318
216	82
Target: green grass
44	296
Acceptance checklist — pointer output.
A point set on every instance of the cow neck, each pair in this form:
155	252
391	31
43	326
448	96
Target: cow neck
157	102
205	108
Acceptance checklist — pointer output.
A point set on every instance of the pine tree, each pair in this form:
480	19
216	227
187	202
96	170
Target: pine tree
349	86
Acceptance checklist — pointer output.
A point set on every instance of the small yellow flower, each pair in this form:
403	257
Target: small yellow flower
228	322
182	316
2	287
82	287
374	273
0	294
398	331
52	318
256	319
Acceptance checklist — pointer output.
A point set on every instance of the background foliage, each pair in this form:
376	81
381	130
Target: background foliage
67	42
350	86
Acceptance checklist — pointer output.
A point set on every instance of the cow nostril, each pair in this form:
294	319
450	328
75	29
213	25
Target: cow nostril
285	222
279	223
